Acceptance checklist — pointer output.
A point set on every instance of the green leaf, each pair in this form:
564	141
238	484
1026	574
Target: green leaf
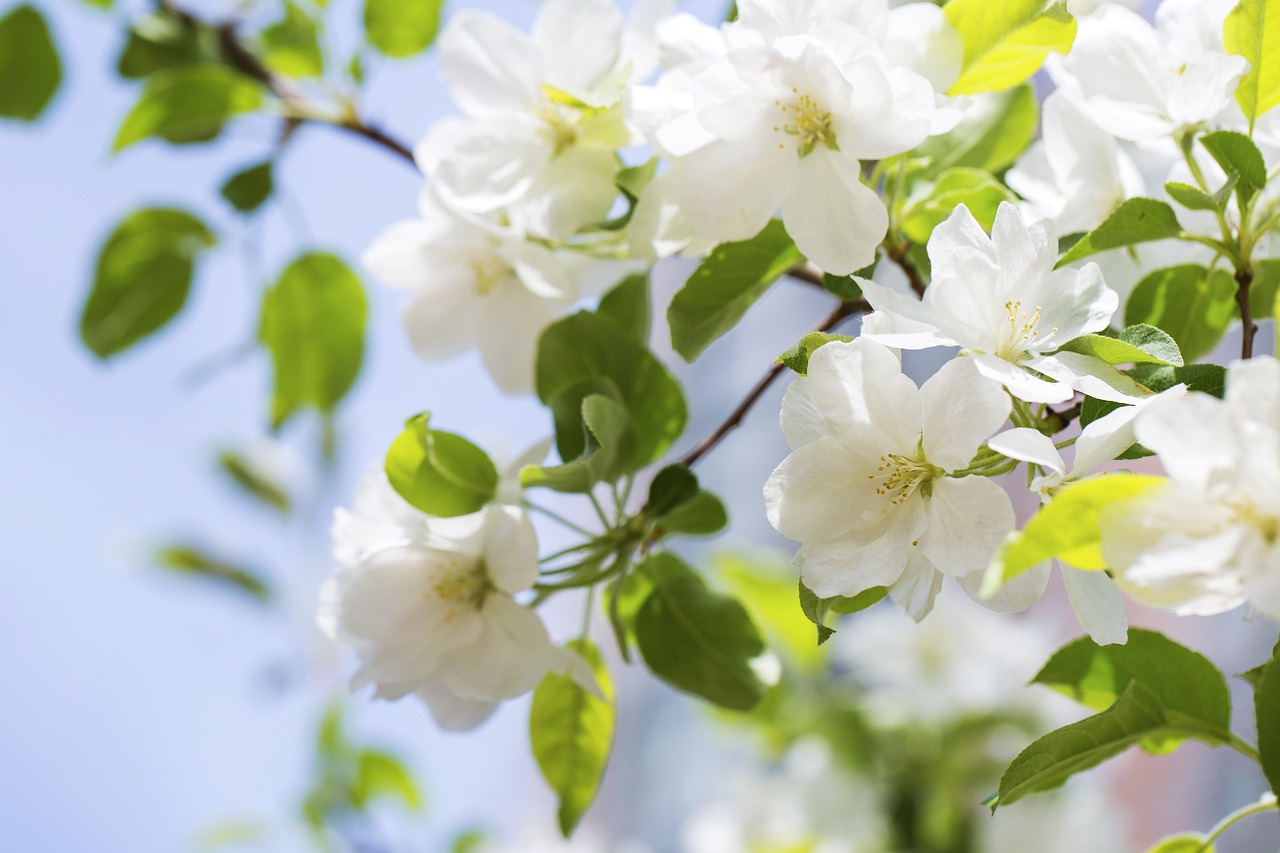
995	130
402	28
438	472
700	641
470	841
974	188
571	731
1183	844
142	278
764	586
1006	41
1266	697
1186	683
196	562
30	69
1138	220
251	479
1137	344
846	287
1264	288
797	358
1252	30
672	486
380	775
628	305
818	609
188	104
1238	157
292	44
608	450
1191	304
586	354
1136	717
1066	528
247	189
701	515
722	288
157	42
313	323
634	179
1192	198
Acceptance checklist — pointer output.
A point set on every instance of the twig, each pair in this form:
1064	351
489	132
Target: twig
841	313
807	273
1244	280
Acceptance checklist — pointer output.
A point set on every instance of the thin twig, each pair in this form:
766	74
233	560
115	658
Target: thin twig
842	312
807	273
1244	280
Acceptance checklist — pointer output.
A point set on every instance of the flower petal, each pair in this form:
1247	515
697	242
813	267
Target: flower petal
1098	604
836	221
578	42
960	410
916	590
968	519
1029	445
489	65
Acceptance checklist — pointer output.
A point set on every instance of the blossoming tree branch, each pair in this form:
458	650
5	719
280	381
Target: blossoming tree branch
1079	262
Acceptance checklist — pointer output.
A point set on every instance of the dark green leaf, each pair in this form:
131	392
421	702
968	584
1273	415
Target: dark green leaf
701	515
698	640
1138	220
439	472
313	323
571	733
722	288
1267	707
188	104
402	28
158	41
247	189
797	358
193	561
1190	304
30	69
817	610
673	485
628	305
846	287
994	132
142	277
253	480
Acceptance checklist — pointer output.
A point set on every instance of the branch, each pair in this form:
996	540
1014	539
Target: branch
842	312
807	273
1244	280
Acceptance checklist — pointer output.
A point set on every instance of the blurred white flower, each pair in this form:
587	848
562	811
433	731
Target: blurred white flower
1068	820
1209	540
1001	300
868	489
426	604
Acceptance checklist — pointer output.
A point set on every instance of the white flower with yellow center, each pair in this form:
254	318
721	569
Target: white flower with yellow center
426	604
1001	301
1209	540
871	490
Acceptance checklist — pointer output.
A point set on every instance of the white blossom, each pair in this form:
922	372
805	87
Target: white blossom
1208	540
1000	299
869	488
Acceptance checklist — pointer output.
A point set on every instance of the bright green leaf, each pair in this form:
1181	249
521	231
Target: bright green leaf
402	28
1138	220
718	293
292	44
1252	30
797	358
571	732
30	70
1266	697
247	189
252	480
1192	198
313	323
1238	157
142	277
1006	41
996	128
606	454
1191	304
701	641
1183	844
974	188
1137	344
628	305
188	104
380	775
196	562
438	472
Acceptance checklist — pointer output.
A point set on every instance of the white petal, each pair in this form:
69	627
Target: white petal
968	519
1090	375
539	269
1098	604
809	497
1205	87
578	42
916	590
483	164
511	324
854	563
1253	389
1019	594
1029	445
1021	384
442	323
571	191
730	190
1193	435
509	657
961	409
450	711
836	221
511	550
489	66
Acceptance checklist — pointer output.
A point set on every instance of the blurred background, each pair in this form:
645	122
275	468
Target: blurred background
147	711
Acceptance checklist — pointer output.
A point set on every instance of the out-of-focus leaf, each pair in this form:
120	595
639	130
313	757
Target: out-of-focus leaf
30	70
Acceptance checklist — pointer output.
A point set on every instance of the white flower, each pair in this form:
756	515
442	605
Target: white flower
1076	174
1000	299
784	123
868	489
1209	540
1144	83
1073	818
426	604
478	287
543	116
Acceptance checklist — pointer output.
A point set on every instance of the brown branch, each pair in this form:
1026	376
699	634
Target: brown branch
807	273
842	312
1244	280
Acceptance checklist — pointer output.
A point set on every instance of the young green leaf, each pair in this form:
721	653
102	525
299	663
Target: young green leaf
196	562
571	732
247	189
1240	158
439	472
628	305
402	28
292	44
701	641
188	104
313	324
142	278
157	42
252	480
1192	198
1193	305
1252	30
380	775
1006	41
30	70
1137	344
1138	220
797	358
718	293
995	130
818	609
1183	844
606	454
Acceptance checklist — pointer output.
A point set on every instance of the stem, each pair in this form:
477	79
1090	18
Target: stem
1245	748
1267	803
615	618
586	612
1244	279
555	516
842	312
604	519
807	273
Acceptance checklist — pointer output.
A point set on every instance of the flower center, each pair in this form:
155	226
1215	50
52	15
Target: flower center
559	127
1024	332
899	476
1267	525
804	119
486	273
469	586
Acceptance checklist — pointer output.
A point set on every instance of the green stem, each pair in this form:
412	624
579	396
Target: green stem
1267	803
1245	748
557	517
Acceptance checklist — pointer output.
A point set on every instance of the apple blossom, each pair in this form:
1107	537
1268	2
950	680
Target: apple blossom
871	489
